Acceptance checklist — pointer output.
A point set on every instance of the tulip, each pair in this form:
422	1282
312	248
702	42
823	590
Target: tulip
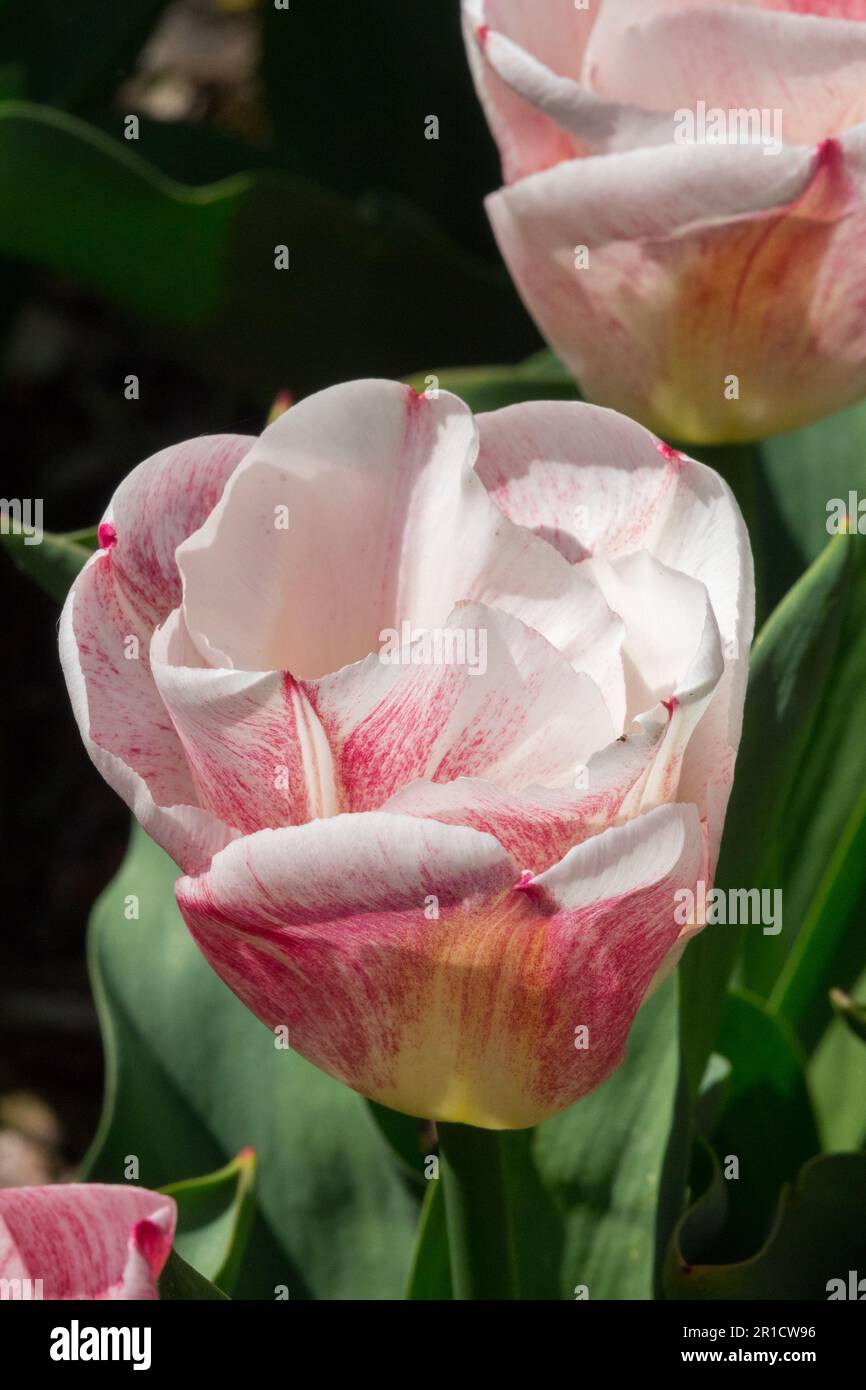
684	200
83	1241
437	714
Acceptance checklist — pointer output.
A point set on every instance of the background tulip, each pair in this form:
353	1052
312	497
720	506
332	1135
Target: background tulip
712	290
435	872
86	1241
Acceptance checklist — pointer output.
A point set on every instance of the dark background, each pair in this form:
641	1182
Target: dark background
393	271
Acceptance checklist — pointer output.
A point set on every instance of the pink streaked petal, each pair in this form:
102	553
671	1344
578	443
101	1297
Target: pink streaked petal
160	503
124	591
468	1015
86	1241
539	826
512	710
149	1248
258	754
125	726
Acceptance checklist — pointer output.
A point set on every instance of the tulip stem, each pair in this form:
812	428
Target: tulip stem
477	1213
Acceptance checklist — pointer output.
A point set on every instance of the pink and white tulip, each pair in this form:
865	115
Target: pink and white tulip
84	1241
719	293
435	871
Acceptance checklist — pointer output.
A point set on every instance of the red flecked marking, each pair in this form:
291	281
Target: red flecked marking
148	1239
524	881
482	33
830	152
671	704
667	452
106	536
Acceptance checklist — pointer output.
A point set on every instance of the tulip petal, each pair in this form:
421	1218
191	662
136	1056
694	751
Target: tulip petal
86	1241
602	490
120	596
471	1015
811	67
539	826
528	138
378	483
510	709
537	109
258	754
678	239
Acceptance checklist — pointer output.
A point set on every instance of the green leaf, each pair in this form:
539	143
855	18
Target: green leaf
95	211
808	468
214	1216
822	849
406	1137
180	1281
430	1277
767	1122
601	1162
55	561
819	1235
193	1077
789	668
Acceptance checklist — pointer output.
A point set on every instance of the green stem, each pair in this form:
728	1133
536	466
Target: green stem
477	1213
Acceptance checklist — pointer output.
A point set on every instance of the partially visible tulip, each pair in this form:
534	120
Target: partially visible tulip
83	1241
714	291
437	715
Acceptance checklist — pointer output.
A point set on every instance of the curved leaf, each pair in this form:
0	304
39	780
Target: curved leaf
818	1236
214	1216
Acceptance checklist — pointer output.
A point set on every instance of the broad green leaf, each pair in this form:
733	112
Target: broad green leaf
601	1162
818	1236
406	1137
55	561
823	947
199	262
180	1281
193	1077
822	848
810	467
430	1277
767	1123
789	667
214	1217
